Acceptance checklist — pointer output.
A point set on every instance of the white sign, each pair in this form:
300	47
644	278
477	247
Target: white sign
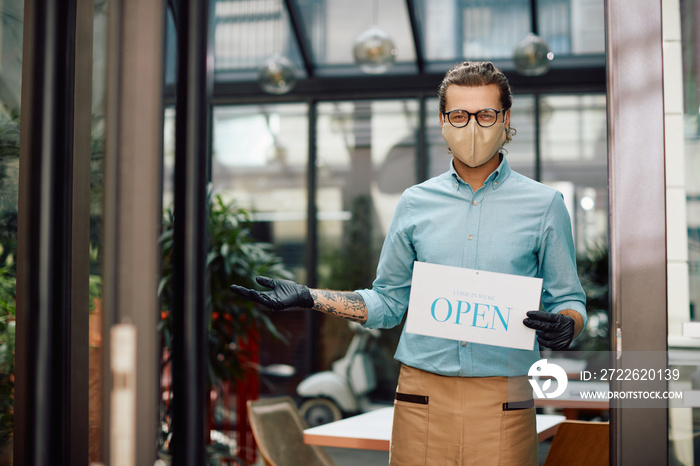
472	305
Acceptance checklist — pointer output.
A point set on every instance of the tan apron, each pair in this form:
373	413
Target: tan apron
442	420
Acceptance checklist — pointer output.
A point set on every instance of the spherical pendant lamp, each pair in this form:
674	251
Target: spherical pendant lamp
374	51
277	75
532	56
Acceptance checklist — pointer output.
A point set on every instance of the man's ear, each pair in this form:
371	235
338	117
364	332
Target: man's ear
506	118
441	118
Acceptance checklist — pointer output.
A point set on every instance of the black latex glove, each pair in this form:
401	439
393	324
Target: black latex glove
554	331
284	294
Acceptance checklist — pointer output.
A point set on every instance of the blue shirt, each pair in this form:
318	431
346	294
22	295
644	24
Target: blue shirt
511	225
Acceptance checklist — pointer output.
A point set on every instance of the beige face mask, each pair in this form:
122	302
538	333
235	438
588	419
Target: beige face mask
473	144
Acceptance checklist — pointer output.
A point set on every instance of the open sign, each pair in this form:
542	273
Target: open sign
472	305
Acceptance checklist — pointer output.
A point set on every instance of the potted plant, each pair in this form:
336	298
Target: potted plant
233	256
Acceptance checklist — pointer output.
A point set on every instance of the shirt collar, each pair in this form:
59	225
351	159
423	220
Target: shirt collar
496	178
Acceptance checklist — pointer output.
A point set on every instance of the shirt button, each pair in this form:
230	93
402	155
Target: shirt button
496	183
470	237
474	203
464	343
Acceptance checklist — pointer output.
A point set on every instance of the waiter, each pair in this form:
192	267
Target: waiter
454	400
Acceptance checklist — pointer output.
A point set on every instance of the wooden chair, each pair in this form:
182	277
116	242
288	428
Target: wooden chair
579	443
278	432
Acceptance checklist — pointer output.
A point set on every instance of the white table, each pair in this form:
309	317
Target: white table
372	430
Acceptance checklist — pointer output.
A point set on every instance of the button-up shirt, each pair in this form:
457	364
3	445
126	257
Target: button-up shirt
510	225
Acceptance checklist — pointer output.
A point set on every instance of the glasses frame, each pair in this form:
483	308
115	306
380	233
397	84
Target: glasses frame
476	118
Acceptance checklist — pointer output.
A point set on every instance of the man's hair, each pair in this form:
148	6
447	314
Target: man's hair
477	73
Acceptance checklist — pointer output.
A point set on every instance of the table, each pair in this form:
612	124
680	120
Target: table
372	430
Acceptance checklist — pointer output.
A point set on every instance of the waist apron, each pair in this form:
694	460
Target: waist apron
441	420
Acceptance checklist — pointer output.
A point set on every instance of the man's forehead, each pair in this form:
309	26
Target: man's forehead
489	93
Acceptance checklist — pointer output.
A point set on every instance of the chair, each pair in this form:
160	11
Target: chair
579	443
278	432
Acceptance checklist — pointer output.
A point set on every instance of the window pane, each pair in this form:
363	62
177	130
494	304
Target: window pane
335	24
259	159
484	29
521	149
574	161
366	159
246	33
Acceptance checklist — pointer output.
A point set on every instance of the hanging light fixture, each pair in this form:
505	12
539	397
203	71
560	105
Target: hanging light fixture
374	50
532	55
277	74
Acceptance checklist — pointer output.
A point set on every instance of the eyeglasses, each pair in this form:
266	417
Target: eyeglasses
484	118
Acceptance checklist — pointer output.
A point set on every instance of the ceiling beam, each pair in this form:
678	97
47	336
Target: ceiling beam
563	80
416	35
297	24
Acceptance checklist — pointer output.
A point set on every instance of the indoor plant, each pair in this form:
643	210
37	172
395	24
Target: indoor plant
233	256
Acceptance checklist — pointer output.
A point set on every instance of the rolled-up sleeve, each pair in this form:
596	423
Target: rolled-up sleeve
387	301
561	286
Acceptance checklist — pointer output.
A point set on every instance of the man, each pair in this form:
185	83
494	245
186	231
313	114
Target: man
452	401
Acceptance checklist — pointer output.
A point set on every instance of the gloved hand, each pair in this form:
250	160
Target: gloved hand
284	294
554	331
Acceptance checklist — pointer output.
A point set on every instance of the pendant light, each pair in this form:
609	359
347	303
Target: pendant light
532	55
374	50
277	74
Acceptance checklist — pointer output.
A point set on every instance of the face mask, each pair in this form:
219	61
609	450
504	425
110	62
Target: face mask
473	144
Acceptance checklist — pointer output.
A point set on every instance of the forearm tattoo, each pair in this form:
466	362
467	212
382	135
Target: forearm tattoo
344	304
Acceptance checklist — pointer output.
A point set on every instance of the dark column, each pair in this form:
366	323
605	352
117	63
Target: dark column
44	417
195	75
